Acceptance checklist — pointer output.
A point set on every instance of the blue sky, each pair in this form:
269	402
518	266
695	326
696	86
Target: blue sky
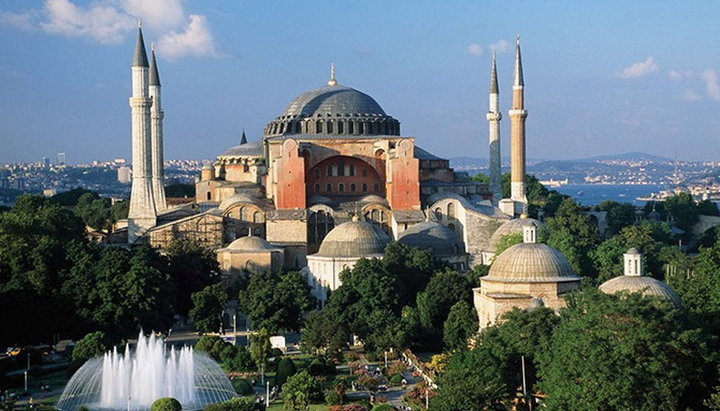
601	78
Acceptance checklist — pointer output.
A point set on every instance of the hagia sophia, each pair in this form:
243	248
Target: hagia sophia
333	180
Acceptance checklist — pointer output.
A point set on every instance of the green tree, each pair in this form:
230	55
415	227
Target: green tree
323	333
180	190
285	369
571	232
684	210
192	267
260	348
120	209
90	346
71	198
633	352
166	404
413	269
461	324
208	304
300	391
507	241
277	302
95	212
619	215
699	288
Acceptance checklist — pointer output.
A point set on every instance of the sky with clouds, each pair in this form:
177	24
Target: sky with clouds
601	78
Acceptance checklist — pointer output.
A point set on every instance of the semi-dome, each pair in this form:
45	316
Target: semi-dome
354	239
333	110
531	262
648	286
253	149
511	227
251	244
440	240
237	198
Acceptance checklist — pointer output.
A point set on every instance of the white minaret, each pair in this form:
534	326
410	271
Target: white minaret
633	262
142	213
156	136
493	117
517	115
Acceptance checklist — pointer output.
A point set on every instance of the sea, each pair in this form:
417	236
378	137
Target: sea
593	194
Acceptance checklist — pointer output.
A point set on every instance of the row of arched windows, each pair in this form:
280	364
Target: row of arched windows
352	187
450	211
382	127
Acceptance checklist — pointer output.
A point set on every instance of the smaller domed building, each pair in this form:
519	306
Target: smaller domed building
252	254
524	276
343	246
634	281
514	226
442	242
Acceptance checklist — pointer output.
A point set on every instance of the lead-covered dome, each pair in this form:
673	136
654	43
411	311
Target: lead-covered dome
531	262
354	239
440	240
648	286
251	244
333	110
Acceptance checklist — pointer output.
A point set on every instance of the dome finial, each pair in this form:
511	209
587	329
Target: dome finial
139	22
355	217
332	81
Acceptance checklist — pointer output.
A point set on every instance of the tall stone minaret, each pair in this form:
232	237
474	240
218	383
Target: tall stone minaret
156	136
518	114
142	213
493	117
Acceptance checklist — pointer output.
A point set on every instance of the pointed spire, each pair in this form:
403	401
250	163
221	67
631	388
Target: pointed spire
140	56
518	64
493	77
154	76
332	81
243	139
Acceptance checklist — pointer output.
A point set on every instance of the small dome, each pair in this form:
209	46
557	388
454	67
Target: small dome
354	239
633	251
235	199
318	199
251	243
511	227
208	166
531	262
373	199
648	286
441	240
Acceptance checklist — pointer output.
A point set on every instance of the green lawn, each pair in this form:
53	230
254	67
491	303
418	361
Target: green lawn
277	405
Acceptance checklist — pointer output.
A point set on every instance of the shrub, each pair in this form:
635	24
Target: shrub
242	387
235	404
285	369
166	404
300	390
322	366
91	345
396	379
332	398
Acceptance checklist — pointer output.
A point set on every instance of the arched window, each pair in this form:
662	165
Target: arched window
330	127
256	217
351	171
352	187
246	168
318	127
316	188
241	213
351	127
376	187
328	188
317	172
361	128
329	171
374	215
451	210
341	187
209	196
451	226
438	213
364	187
340	127
341	168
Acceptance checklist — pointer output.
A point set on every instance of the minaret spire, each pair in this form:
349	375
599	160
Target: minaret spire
493	117
518	114
243	139
156	135
142	213
332	81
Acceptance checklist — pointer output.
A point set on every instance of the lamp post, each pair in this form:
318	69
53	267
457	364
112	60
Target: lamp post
385	359
267	394
26	378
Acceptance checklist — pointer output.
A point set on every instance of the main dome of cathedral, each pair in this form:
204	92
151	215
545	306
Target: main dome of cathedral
333	110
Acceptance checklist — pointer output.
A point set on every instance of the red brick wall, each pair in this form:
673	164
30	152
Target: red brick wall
290	177
318	178
404	189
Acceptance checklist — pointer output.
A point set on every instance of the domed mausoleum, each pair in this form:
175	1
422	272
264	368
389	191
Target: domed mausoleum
341	249
524	276
252	254
439	240
634	281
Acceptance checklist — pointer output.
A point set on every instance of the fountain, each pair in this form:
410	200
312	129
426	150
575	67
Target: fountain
134	380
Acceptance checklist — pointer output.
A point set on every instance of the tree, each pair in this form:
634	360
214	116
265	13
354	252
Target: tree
461	324
208	305
300	391
166	404
180	190
323	333
286	368
507	241
72	197
90	346
700	288
683	209
632	352
619	215
413	269
277	302
192	267
260	348
571	232
95	212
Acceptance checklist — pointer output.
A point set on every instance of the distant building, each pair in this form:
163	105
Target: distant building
49	192
18	184
46	162
4	183
124	174
61	158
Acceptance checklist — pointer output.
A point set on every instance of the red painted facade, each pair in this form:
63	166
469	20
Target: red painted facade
290	177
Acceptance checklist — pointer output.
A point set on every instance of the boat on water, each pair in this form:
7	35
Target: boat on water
554	183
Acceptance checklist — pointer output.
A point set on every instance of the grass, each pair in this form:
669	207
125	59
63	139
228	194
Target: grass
277	405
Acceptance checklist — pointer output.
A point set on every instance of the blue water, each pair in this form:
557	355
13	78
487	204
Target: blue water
592	194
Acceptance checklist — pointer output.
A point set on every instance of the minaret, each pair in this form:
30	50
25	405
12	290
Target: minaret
518	114
493	117
156	136
142	207
243	139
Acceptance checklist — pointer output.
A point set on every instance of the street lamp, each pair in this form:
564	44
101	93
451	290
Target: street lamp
267	394
26	378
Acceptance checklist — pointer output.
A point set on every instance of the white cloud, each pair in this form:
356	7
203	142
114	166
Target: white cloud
639	69
690	95
500	46
196	40
110	21
679	74
711	84
475	49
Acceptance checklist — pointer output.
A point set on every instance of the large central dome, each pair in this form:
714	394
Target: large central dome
333	111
